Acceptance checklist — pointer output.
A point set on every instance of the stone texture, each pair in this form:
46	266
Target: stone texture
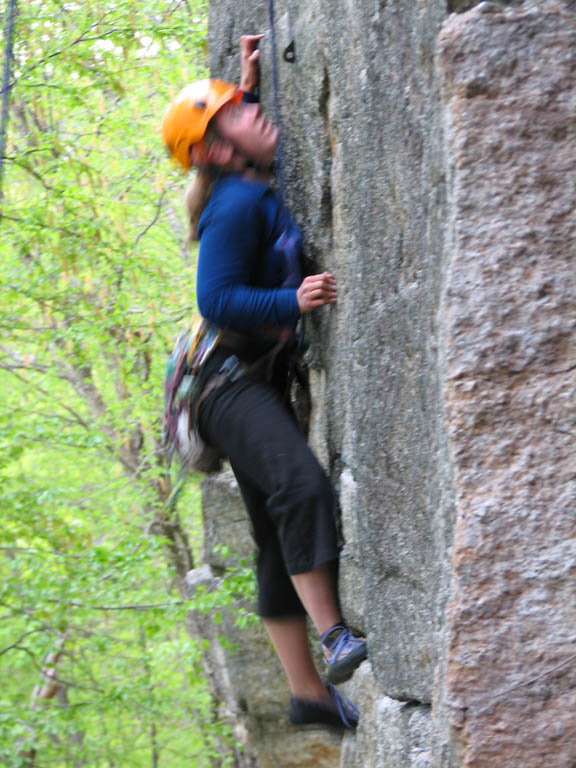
509	321
392	733
283	745
430	161
225	522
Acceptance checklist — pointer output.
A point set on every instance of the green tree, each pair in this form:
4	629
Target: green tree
95	281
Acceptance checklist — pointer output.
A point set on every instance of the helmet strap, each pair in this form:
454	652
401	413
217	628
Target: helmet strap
201	150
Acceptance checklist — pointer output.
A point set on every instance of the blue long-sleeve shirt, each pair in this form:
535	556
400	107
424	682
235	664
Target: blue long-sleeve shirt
249	260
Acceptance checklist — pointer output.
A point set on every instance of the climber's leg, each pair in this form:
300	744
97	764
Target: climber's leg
318	592
290	639
249	423
312	702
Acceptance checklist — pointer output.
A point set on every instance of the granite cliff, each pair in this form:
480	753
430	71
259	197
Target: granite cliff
430	157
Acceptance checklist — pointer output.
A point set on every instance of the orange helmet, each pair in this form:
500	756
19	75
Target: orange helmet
187	118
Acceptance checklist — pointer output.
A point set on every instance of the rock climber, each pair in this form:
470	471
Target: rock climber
250	286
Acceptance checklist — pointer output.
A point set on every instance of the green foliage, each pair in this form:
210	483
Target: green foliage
96	666
235	593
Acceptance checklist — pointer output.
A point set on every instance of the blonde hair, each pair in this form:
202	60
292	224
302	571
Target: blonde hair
195	199
198	192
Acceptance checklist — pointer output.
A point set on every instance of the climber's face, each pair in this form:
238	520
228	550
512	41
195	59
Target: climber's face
251	134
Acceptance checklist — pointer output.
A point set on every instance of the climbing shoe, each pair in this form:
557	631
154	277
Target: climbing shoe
339	712
343	653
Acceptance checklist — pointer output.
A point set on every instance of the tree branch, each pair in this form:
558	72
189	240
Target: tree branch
26	551
154	219
17	643
136	607
49	395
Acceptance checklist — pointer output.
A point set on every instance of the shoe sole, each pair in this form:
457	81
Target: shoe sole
343	670
321	724
312	718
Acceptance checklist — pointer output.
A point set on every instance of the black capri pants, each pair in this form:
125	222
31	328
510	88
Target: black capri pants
287	495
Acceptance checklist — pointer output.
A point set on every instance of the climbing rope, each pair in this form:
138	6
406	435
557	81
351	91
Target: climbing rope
9	35
279	162
290	57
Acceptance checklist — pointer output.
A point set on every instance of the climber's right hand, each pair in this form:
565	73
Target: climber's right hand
316	291
249	55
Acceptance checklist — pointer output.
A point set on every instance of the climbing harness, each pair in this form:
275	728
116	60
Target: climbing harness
185	391
9	34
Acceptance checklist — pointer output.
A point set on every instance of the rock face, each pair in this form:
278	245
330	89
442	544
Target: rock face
508	322
430	159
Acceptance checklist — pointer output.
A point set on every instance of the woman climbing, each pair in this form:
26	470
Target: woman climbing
249	286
